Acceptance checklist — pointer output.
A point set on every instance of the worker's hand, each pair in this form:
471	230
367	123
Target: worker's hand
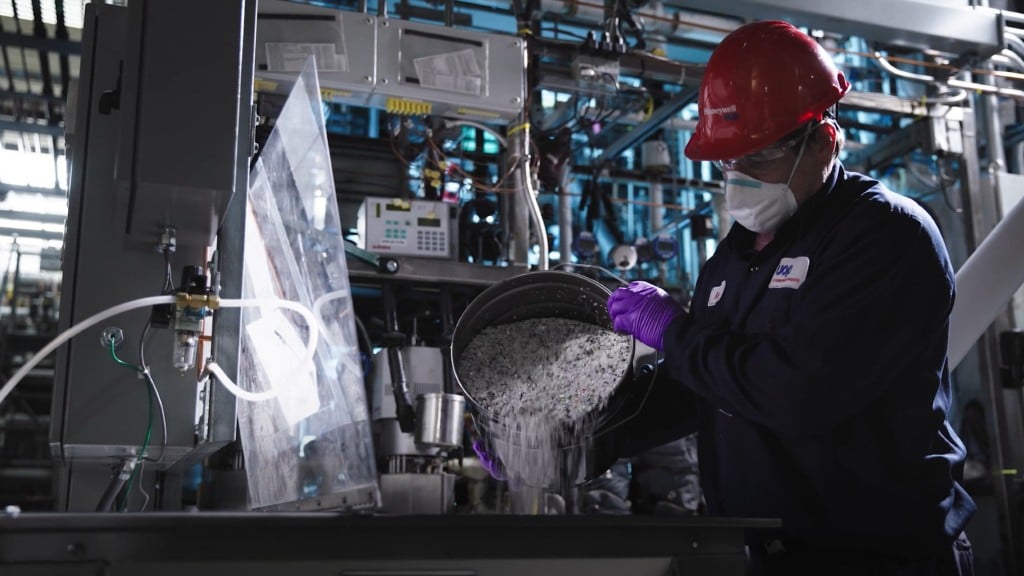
488	462
644	311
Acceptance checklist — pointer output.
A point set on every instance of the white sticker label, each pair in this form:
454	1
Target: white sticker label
791	273
279	349
291	57
716	294
453	71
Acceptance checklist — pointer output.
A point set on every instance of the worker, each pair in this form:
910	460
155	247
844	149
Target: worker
812	359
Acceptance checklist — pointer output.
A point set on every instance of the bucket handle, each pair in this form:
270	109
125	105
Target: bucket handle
607	272
647	393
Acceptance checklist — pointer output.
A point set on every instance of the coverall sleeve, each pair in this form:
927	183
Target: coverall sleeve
874	301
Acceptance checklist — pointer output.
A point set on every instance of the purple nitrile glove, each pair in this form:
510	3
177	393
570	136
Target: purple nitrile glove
644	311
487	461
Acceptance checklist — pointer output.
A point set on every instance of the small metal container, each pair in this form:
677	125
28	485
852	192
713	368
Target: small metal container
439	419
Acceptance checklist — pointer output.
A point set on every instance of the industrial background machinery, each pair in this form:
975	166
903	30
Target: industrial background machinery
469	141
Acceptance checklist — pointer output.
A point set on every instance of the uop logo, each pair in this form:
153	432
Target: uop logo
791	272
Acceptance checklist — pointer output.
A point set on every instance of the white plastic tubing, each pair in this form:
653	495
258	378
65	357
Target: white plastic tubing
311	344
312	339
986	282
314	320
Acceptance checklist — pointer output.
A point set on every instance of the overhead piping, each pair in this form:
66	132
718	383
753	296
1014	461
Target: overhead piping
952	82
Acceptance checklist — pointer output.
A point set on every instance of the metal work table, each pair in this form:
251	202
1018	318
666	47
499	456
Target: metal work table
259	544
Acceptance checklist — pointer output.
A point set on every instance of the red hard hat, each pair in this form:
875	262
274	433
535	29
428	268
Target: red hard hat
764	80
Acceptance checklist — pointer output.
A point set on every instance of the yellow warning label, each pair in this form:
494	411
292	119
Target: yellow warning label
261	85
476	112
407	107
332	93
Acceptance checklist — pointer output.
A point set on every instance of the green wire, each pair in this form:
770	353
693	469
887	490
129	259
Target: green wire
149	427
113	354
142	452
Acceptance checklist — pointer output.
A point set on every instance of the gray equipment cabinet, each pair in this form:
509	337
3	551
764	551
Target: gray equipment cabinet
161	140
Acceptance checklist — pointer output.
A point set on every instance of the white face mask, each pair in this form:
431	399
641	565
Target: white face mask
759	206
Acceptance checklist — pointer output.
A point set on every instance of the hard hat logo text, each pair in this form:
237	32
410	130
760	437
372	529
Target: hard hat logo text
729	112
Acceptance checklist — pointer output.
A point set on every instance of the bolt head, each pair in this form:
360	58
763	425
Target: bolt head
111	334
76	549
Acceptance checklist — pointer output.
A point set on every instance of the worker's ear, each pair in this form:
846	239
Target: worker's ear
828	140
831	133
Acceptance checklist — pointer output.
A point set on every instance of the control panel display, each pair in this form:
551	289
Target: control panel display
407	227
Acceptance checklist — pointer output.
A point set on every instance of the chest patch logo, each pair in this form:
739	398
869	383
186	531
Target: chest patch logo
716	294
791	273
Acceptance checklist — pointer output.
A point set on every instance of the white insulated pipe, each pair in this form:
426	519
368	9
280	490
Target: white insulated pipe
565	215
657	199
986	283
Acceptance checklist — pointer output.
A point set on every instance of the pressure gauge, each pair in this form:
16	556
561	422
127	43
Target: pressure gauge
623	256
585	245
665	247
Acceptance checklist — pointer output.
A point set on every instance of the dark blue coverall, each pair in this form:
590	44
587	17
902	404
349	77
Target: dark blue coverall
815	374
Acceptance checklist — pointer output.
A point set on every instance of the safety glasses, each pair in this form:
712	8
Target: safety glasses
766	157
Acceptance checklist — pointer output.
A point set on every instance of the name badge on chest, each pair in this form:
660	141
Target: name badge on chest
716	294
791	273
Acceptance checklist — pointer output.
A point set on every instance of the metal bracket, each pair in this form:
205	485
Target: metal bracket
383	264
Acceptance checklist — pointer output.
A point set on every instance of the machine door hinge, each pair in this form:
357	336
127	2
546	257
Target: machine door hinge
254	147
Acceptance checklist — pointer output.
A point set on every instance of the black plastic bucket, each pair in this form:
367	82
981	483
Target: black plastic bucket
554	294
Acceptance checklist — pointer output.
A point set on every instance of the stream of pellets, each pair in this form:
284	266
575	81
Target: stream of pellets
540	379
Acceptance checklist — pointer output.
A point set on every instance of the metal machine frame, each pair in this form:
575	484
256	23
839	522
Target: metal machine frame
327	544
